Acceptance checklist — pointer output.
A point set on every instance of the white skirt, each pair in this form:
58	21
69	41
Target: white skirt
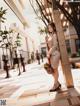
55	57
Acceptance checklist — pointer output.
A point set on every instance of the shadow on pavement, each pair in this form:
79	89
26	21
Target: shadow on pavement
69	97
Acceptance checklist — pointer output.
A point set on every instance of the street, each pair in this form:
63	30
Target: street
32	87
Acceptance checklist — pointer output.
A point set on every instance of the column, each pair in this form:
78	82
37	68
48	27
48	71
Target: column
27	45
64	56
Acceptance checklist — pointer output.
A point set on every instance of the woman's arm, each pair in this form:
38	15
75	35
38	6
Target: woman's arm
54	46
47	47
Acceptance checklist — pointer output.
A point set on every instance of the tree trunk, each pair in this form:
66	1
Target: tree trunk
0	23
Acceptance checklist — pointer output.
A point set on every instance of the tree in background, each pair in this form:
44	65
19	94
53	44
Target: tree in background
6	42
41	11
18	41
2	14
71	11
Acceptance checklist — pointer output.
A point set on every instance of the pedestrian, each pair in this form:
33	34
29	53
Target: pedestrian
42	56
32	57
53	55
16	61
22	62
38	56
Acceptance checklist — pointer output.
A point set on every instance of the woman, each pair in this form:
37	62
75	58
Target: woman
53	55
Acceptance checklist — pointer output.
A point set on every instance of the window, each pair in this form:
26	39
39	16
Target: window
77	44
68	46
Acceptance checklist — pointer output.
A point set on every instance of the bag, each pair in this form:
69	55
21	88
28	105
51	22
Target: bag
48	68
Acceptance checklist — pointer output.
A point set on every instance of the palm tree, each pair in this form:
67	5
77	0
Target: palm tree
18	41
2	18
42	30
1	41
6	44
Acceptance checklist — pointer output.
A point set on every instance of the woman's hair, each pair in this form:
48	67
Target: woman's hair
53	26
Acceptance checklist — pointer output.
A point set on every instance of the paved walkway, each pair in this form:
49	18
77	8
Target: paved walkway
32	88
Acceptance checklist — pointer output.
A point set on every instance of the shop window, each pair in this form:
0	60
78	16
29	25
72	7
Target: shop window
78	45
68	46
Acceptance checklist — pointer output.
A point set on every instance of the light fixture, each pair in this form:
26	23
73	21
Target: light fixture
61	2
64	23
70	10
66	8
61	16
49	10
67	23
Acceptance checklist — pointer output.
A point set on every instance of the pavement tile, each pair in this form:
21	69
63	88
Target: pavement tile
73	92
31	89
75	100
60	103
63	95
44	104
7	91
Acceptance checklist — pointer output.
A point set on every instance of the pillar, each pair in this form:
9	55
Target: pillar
63	51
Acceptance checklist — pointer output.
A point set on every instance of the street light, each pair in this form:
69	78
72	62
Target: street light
61	2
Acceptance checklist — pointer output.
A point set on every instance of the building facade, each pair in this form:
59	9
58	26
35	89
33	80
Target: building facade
18	27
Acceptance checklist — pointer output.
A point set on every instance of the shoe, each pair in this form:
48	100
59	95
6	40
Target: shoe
56	87
59	84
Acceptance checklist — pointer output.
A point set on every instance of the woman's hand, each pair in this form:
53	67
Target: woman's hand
48	56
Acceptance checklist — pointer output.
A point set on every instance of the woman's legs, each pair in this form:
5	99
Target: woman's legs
55	75
57	85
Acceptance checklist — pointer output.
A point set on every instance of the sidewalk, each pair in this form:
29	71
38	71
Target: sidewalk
32	88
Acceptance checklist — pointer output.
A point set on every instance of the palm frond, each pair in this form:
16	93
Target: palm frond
4	37
2	21
6	32
3	18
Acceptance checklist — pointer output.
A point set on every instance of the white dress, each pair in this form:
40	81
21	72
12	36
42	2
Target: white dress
53	51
